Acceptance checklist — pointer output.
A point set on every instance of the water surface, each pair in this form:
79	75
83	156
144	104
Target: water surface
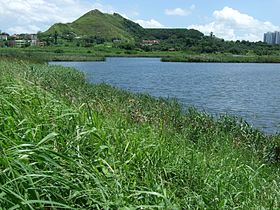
250	91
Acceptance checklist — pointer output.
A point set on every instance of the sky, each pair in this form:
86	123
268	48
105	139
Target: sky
227	19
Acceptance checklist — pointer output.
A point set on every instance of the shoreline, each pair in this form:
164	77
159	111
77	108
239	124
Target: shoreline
84	54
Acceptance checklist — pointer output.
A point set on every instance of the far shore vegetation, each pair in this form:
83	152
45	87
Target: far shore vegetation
97	35
101	51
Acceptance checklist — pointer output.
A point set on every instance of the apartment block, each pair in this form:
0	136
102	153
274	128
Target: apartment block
272	37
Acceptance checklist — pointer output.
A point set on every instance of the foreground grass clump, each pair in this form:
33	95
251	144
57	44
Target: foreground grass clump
66	144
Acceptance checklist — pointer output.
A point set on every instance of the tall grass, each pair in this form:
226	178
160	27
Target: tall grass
67	144
45	56
222	58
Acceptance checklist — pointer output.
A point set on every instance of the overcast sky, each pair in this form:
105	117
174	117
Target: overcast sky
228	19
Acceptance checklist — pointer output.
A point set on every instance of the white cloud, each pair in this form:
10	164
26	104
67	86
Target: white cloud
193	7
150	23
30	16
231	24
20	16
177	12
180	11
135	13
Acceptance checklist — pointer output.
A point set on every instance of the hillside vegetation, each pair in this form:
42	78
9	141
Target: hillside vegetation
114	32
98	25
67	144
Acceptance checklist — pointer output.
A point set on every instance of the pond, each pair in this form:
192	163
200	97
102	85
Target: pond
249	91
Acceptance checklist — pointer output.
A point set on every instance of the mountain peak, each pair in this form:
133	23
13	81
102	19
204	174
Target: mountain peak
94	12
117	14
98	24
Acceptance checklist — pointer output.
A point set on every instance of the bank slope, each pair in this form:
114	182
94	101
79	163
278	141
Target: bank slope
68	144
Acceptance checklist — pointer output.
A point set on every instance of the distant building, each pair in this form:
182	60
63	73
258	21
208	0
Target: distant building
150	42
272	37
25	40
33	37
15	36
277	37
33	42
4	36
20	43
117	40
36	43
41	44
171	49
267	38
17	43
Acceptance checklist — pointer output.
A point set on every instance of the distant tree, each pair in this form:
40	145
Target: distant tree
235	50
55	37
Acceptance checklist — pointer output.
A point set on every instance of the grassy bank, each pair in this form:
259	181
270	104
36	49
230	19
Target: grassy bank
222	58
46	56
99	53
96	53
69	144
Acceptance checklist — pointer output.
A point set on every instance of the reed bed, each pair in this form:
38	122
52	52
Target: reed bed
222	58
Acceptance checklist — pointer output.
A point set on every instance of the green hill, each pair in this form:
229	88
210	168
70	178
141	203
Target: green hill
108	27
100	25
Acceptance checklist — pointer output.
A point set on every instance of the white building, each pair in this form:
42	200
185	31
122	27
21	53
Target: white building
277	37
4	37
272	37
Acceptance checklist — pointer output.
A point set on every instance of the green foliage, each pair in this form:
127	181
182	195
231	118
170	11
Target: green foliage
43	55
165	34
97	28
222	58
69	144
59	51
